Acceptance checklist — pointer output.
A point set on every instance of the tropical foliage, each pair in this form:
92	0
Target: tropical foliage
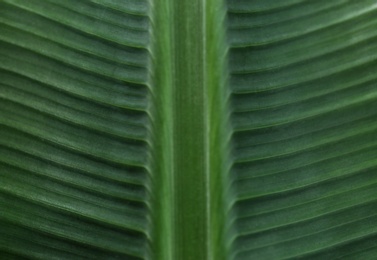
163	129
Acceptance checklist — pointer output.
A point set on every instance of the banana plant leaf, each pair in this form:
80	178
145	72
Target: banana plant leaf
188	129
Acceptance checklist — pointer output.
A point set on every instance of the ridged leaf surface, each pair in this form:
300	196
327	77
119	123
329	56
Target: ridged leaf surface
304	115
74	129
188	129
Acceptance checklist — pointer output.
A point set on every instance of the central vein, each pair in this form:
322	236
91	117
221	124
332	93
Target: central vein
189	139
189	146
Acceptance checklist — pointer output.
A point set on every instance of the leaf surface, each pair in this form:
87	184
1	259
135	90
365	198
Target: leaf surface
304	118
188	129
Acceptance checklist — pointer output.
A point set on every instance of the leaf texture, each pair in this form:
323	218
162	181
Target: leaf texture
188	129
74	129
304	107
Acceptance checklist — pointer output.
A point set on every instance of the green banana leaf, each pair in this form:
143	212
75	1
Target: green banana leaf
188	129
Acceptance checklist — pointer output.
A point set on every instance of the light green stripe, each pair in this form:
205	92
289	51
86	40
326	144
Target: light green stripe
161	111
218	131
191	116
